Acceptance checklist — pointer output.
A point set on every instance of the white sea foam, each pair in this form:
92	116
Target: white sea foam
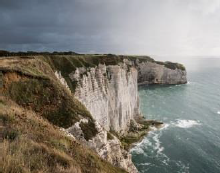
144	164
164	127
218	112
154	134
191	83
157	146
183	168
153	144
186	123
138	146
138	150
153	129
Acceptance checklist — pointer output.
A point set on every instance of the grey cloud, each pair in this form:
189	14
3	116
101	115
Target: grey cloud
159	27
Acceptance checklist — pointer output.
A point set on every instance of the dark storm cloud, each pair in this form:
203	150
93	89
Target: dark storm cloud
118	26
52	24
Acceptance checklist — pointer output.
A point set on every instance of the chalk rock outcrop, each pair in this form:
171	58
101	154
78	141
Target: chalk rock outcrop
108	149
110	93
153	73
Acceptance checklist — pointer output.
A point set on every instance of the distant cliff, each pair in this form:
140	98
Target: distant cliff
161	73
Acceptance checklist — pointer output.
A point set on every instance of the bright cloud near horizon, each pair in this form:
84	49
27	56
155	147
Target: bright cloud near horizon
151	27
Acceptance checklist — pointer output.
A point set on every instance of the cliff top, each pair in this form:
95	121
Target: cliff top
87	60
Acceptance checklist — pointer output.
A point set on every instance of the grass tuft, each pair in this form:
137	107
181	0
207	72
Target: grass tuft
89	129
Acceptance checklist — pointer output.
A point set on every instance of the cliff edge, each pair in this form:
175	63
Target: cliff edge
93	99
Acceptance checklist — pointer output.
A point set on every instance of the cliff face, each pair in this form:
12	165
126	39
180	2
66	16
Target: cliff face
109	93
108	148
153	73
107	88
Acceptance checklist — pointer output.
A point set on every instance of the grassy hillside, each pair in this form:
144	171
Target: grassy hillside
29	143
33	108
31	83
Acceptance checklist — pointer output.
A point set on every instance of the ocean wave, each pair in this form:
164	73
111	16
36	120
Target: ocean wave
137	150
144	164
186	123
183	168
164	127
157	144
191	83
138	147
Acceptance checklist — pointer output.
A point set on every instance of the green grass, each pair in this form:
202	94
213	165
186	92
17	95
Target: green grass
49	100
38	93
109	136
171	65
130	139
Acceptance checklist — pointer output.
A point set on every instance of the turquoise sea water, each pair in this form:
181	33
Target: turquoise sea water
189	141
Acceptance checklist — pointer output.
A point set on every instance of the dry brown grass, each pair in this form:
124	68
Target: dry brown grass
24	155
38	146
32	106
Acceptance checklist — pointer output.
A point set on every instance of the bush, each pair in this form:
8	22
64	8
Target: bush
109	136
10	134
89	129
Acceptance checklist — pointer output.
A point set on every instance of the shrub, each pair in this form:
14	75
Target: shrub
10	134
109	136
89	129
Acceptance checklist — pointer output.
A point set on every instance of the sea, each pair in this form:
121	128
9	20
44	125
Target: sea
189	140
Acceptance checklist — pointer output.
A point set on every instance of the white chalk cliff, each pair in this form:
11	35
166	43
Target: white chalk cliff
153	73
108	149
110	93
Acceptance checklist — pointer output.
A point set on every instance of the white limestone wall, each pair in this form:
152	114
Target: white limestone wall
110	93
153	73
109	150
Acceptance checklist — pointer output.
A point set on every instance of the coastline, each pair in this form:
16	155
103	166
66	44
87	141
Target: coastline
138	132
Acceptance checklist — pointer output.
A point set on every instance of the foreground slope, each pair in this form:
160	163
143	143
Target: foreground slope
33	108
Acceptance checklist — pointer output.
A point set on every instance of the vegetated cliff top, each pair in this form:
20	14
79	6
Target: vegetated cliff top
33	107
67	62
89	60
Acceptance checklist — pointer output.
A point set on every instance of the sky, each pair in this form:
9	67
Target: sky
138	27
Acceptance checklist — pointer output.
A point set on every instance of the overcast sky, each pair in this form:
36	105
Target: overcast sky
152	27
